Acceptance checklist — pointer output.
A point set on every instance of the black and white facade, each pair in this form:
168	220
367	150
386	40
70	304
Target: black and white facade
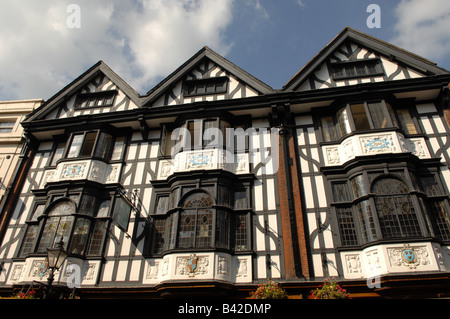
184	188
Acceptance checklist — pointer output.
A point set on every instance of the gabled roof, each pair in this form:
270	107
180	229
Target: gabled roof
382	47
140	100
78	84
189	65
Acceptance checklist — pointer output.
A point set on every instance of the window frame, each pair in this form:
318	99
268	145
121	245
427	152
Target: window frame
77	216
61	153
166	225
95	99
191	88
371	231
379	71
196	128
344	122
9	128
412	118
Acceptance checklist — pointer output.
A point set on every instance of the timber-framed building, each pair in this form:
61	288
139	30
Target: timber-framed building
213	181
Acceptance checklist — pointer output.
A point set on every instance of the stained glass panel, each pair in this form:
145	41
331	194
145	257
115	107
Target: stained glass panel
396	212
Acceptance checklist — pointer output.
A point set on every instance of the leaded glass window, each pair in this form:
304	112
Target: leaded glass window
441	219
57	225
162	205
196	220
328	128
407	121
396	212
347	226
391	209
364	116
82	230
367	221
240	200
58	154
378	115
28	242
198	200
222	228
340	192
429	185
204	216
240	232
80	236
359	186
159	228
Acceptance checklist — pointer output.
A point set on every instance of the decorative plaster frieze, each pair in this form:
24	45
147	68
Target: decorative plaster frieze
373	144
194	266
204	160
353	263
392	258
92	170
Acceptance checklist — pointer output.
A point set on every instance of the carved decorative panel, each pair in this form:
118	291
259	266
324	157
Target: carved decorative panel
373	144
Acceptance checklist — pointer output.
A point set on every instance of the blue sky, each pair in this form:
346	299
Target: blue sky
145	40
289	34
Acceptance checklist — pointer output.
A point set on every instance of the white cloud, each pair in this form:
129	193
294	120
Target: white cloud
423	27
141	40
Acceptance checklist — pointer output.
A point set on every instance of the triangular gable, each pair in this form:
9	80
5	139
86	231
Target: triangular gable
97	90
353	58
207	76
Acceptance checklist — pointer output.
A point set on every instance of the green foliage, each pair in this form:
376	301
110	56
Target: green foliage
270	290
329	290
30	294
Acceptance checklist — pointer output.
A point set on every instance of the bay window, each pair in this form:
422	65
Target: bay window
95	144
201	217
197	134
363	117
396	212
389	205
81	220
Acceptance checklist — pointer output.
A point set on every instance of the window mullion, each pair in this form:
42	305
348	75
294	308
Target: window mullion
387	114
96	141
368	115
348	111
376	218
424	225
196	229
213	227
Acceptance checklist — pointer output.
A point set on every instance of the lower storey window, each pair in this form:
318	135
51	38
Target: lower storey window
346	226
397	216
83	229
389	209
199	223
440	218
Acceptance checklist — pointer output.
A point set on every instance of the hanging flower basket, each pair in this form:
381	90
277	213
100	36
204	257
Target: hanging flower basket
30	294
329	290
270	290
